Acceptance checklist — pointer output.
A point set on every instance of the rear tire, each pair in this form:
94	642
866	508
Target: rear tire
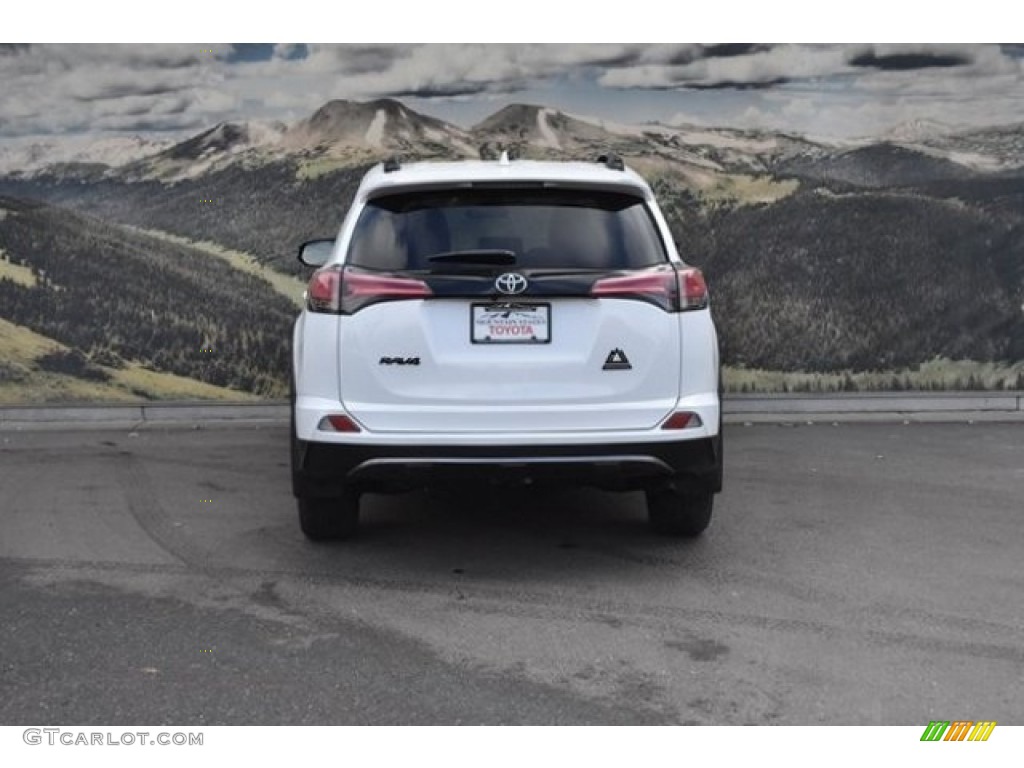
294	445
329	519
720	454
720	441
295	449
680	513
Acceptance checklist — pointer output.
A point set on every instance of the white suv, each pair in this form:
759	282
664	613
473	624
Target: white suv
480	322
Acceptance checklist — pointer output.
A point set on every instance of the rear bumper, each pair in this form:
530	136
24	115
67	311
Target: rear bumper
322	469
529	428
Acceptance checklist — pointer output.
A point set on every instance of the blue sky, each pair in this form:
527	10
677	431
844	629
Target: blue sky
836	91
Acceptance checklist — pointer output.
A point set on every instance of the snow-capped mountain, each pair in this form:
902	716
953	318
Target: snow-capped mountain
920	131
339	131
542	127
227	138
984	150
996	148
539	131
342	133
213	148
32	155
384	124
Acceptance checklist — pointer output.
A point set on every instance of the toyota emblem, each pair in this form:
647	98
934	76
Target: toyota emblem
511	283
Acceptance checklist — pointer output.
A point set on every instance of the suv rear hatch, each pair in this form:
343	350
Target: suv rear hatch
509	309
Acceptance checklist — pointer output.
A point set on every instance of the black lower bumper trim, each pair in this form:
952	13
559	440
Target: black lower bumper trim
324	468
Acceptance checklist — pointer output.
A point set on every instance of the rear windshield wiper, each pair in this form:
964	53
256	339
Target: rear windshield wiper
494	256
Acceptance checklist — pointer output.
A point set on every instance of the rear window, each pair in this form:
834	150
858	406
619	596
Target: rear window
568	229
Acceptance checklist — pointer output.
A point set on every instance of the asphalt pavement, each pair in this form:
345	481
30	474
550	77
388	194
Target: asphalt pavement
853	574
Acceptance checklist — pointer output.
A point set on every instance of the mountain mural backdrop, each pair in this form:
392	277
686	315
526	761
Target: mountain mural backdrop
132	268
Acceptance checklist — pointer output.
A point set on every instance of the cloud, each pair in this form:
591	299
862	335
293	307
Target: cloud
76	88
854	114
739	66
752	68
290	51
728	50
441	91
439	71
73	88
988	72
741	85
904	61
482	68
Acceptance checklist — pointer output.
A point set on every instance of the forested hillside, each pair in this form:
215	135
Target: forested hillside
265	211
824	282
118	296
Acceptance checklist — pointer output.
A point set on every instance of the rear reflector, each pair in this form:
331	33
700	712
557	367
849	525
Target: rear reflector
338	422
682	420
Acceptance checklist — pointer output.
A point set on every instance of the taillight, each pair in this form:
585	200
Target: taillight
674	289
693	291
360	289
657	286
346	291
323	294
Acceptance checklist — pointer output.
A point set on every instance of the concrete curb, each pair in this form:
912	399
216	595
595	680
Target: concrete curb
881	402
84	416
886	406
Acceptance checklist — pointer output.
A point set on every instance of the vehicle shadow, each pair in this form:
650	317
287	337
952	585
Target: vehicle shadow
509	534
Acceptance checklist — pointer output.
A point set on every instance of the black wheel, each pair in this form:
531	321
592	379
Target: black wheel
331	518
295	450
720	440
295	447
680	513
720	453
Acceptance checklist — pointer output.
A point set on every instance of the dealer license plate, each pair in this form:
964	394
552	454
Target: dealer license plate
511	323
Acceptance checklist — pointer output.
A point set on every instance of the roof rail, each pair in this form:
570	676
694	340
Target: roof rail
392	164
611	161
